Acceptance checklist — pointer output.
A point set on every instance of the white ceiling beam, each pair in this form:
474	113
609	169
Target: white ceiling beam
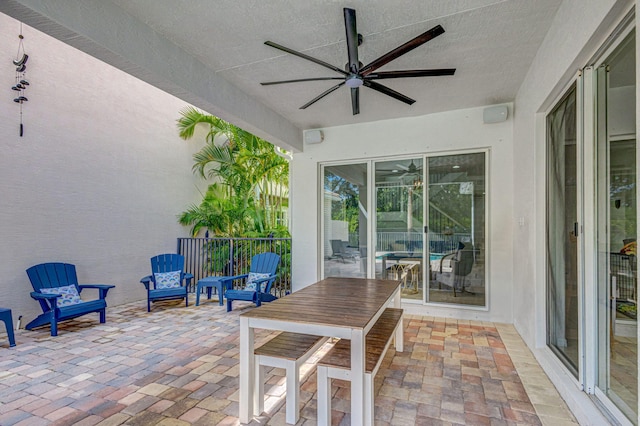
105	31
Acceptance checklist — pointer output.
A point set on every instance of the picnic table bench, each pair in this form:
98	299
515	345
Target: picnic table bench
336	364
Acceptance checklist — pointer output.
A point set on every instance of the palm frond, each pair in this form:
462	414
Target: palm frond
247	166
191	117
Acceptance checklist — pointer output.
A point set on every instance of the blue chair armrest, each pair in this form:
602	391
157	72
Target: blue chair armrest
102	288
236	277
261	280
51	299
146	281
37	295
188	277
228	281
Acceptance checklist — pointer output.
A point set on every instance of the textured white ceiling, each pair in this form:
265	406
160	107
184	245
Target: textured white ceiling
212	53
490	42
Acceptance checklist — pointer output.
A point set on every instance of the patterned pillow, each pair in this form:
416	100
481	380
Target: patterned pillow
68	295
167	279
254	276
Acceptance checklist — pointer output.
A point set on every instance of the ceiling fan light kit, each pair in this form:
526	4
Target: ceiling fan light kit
354	82
355	75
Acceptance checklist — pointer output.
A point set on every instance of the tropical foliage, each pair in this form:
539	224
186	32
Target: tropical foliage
344	208
251	188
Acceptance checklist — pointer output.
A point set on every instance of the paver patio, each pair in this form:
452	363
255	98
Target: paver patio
180	366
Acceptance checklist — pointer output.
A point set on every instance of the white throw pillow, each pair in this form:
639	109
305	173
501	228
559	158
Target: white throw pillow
68	295
167	279
252	278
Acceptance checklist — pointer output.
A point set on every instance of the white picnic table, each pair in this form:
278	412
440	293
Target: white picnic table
345	308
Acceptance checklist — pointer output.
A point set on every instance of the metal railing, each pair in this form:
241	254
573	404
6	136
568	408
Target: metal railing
205	257
413	241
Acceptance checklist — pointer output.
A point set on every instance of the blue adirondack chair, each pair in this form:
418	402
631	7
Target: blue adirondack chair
258	281
56	288
167	280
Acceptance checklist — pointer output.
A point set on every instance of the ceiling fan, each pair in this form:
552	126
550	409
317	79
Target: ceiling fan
356	75
410	170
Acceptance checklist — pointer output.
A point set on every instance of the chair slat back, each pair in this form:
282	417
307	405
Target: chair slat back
265	263
51	275
167	263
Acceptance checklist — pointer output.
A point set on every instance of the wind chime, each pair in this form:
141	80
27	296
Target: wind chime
21	83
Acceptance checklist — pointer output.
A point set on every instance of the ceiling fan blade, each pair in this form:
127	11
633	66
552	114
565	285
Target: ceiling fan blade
321	95
307	57
389	92
401	50
269	83
355	100
410	73
352	39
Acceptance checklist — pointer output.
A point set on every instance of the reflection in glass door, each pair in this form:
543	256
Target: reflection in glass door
617	233
399	224
456	229
450	266
345	220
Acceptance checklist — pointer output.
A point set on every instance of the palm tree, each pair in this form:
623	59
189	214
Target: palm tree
253	178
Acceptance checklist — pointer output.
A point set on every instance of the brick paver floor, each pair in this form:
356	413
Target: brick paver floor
180	366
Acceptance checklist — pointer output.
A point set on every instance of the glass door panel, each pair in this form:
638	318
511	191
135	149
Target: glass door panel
617	232
345	220
399	224
457	216
561	238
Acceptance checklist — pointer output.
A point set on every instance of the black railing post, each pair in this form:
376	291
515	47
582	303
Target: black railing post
204	257
231	256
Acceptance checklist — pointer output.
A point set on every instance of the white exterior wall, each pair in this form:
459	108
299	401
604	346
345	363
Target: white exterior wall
578	30
98	178
437	133
565	50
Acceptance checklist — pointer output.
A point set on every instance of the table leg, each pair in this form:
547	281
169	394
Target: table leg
247	371
384	268
357	377
397	303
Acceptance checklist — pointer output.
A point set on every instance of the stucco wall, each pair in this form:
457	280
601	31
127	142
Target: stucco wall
436	133
98	178
574	36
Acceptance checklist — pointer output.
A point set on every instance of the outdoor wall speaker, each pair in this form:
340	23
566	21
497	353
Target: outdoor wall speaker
495	114
313	136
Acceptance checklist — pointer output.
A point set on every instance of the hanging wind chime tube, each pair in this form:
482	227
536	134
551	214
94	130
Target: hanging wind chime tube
21	83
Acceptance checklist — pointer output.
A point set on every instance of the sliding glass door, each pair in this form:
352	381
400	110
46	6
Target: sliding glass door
617	284
591	267
399	224
457	229
430	227
562	232
344	224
